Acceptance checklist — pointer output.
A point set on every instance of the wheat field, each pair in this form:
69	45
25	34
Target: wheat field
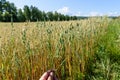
75	49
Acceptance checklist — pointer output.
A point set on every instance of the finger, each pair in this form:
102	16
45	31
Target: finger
44	76
52	73
51	76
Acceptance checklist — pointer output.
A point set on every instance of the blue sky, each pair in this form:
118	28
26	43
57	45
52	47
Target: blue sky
75	7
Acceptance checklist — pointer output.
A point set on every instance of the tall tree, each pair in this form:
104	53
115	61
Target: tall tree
9	11
6	17
36	14
40	16
3	5
50	16
27	13
13	11
7	7
67	17
0	16
56	17
44	16
74	17
0	6
61	17
21	16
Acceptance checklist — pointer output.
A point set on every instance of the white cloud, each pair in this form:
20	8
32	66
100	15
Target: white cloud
95	14
113	13
64	10
77	14
102	14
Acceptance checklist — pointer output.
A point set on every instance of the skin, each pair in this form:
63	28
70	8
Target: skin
49	75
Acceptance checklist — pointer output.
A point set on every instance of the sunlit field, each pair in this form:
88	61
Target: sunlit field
77	50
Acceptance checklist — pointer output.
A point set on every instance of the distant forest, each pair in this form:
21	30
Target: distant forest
9	12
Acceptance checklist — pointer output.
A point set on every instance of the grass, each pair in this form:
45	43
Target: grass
77	50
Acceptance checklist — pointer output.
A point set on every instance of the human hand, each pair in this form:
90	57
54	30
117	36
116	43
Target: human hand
49	75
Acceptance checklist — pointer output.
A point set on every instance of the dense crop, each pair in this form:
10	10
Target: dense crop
77	50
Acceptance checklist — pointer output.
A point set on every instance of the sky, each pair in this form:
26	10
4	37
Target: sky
74	7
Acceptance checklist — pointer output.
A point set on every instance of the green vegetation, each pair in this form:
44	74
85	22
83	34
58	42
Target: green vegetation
78	50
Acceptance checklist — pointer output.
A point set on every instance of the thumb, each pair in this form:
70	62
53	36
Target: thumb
44	76
51	76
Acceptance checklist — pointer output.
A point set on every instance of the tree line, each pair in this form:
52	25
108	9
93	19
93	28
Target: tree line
9	12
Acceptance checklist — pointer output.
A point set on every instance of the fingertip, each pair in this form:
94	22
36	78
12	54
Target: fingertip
44	76
51	73
51	76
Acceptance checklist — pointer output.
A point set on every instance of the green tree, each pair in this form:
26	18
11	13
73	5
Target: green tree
0	16
44	16
61	17
40	17
33	13
3	5
74	17
9	9
50	16
27	12
67	17
36	14
13	11
0	6
6	17
21	16
56	17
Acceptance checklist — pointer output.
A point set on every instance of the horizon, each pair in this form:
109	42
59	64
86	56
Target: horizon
74	8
